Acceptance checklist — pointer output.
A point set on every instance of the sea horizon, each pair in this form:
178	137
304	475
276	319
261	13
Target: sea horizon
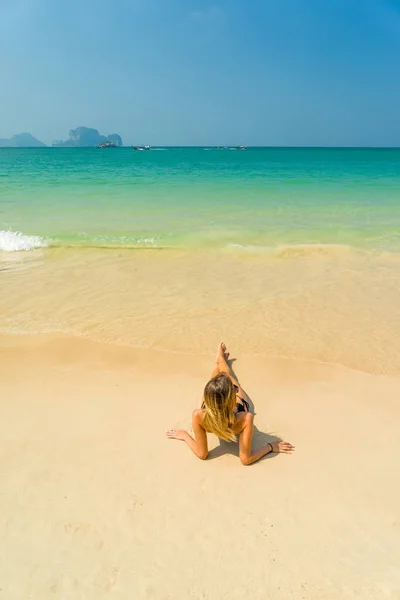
216	146
217	190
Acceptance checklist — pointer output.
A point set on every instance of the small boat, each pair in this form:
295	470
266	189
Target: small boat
240	147
108	144
141	147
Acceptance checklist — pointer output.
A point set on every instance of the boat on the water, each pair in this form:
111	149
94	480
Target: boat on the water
108	144
240	147
141	147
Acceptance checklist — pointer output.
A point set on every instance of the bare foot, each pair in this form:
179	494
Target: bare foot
221	352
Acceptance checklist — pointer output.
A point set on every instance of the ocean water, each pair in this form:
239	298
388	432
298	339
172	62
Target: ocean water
194	197
279	252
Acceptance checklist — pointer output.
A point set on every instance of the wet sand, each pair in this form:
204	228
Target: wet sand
325	303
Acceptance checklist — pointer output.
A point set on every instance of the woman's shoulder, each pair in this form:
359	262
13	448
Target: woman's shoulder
197	415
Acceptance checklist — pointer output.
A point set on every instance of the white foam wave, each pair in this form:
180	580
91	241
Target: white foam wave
127	241
15	241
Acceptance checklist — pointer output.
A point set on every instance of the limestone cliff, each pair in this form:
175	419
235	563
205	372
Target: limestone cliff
87	137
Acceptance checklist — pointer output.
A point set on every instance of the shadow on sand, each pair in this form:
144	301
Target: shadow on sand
259	437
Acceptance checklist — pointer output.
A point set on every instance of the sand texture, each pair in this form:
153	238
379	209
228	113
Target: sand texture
96	503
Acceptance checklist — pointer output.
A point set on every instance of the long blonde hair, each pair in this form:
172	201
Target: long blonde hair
219	403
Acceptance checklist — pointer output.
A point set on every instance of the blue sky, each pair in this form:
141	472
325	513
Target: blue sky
263	72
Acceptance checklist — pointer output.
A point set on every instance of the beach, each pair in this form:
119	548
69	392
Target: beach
119	275
97	503
324	303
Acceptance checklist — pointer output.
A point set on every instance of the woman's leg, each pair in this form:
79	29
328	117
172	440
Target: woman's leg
215	372
220	361
223	366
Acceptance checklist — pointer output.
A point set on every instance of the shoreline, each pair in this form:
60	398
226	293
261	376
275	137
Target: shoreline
10	340
98	503
17	244
336	310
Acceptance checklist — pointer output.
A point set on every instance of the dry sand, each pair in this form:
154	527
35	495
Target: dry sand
96	503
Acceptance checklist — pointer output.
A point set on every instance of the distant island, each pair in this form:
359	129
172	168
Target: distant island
82	137
85	137
21	140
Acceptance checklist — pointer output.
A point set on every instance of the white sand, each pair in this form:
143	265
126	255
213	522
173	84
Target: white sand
96	503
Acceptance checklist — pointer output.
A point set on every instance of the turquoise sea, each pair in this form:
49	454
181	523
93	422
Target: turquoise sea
277	251
260	198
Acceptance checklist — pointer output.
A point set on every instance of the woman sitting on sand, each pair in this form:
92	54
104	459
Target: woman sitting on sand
225	412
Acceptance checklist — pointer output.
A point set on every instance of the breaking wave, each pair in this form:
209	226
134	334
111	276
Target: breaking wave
15	241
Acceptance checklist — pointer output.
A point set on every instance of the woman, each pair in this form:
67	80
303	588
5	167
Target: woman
225	412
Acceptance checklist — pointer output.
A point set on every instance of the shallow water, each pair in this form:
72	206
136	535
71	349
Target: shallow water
278	251
181	197
342	308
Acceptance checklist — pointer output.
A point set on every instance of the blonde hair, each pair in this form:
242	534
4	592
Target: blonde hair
218	407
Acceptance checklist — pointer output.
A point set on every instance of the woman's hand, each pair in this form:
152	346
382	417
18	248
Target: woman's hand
177	434
282	447
198	445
